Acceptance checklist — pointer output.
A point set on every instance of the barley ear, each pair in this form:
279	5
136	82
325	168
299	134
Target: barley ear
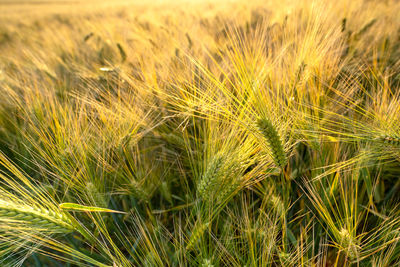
98	198
209	179
207	263
196	235
349	244
274	141
39	219
138	191
391	140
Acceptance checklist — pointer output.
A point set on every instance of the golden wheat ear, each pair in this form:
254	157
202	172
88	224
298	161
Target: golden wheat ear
274	141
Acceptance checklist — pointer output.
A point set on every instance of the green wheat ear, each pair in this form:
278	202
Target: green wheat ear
138	191
349	244
392	140
41	219
196	235
209	179
97	197
207	263
276	204
274	141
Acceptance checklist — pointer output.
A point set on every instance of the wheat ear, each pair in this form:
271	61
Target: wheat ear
349	244
41	219
196	235
137	190
209	179
274	141
390	140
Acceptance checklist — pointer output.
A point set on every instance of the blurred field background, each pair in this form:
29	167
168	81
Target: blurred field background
199	133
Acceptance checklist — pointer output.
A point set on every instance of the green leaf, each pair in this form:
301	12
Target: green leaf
77	207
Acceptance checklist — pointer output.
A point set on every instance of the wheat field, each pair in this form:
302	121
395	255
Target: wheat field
199	133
